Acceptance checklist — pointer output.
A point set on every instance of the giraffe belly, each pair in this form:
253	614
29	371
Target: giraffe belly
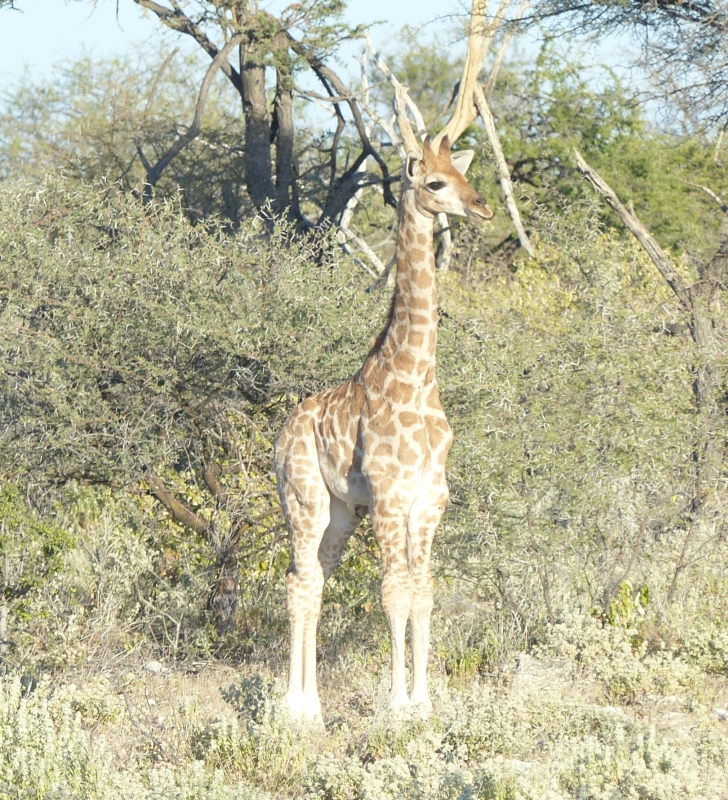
344	478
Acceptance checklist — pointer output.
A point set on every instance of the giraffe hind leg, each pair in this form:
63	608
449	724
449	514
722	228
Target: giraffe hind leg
343	521
318	541
305	502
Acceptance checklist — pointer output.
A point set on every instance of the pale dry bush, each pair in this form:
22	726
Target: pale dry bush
47	752
618	657
110	600
488	740
707	648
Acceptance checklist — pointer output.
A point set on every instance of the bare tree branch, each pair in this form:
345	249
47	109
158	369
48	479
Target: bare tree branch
348	236
713	196
330	79
154	174
177	510
401	104
639	231
152	92
504	175
500	55
177	20
479	40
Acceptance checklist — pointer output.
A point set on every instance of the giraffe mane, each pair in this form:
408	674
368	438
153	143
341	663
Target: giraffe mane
378	341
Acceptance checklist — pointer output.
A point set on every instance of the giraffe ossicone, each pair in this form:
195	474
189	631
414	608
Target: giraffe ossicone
378	444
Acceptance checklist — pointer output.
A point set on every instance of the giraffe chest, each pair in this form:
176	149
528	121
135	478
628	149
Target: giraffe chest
402	434
405	435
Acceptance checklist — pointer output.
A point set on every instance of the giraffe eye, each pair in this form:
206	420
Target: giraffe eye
435	186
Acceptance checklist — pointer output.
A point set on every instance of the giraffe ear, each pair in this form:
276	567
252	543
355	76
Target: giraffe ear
412	164
462	160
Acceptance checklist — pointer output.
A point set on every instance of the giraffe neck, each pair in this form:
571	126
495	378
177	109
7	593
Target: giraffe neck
410	339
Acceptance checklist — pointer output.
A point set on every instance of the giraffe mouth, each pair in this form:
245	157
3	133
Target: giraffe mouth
480	212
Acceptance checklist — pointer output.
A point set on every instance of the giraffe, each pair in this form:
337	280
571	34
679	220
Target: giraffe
377	444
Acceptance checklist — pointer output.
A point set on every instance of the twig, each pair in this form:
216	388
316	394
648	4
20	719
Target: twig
402	102
719	200
505	179
639	231
500	55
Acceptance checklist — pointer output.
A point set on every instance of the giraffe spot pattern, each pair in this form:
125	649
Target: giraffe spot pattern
378	441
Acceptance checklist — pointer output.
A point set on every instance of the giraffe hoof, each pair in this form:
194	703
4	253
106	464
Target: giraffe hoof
421	706
305	712
399	703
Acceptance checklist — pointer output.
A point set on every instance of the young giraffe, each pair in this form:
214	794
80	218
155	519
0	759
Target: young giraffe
378	444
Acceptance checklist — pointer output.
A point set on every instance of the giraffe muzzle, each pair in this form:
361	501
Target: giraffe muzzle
479	209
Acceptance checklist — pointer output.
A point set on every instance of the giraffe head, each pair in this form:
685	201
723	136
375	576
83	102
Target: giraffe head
438	180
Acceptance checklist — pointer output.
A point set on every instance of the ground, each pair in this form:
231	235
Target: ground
590	713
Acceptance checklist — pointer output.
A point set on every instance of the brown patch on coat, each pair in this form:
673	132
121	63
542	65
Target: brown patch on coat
422	278
406	455
419	303
401	393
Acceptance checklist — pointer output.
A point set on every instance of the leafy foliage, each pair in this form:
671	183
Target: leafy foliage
155	348
32	550
91	117
117	345
572	408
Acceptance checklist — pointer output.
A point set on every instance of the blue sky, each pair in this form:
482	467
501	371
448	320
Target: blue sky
42	32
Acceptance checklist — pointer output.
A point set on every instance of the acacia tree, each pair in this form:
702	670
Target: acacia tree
299	38
139	353
100	120
700	301
684	49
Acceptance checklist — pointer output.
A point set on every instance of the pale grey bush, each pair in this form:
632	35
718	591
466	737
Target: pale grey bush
487	724
45	753
617	657
707	648
485	743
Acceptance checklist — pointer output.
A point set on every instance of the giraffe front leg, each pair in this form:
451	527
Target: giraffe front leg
423	521
390	531
396	598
